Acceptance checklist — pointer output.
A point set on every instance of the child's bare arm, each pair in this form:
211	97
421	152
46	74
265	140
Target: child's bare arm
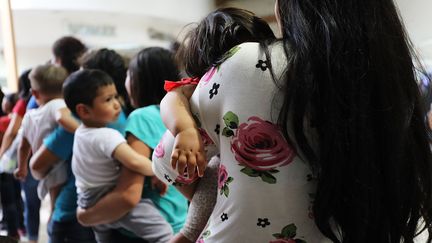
65	119
132	160
188	149
24	150
175	109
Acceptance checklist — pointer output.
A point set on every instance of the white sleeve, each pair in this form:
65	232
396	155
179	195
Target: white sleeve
55	106
25	124
107	140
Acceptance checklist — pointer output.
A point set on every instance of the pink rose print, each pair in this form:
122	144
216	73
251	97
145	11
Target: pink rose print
223	176
259	145
200	241
224	180
159	151
208	75
205	137
184	180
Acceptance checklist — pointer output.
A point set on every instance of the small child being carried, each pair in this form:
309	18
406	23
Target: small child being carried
46	83
213	41
98	153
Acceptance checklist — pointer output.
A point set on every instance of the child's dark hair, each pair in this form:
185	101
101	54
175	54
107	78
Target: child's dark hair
110	62
24	85
216	34
12	98
68	49
81	87
148	70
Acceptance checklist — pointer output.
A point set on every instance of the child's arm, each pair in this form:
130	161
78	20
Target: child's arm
141	148
10	133
176	115
65	119
24	151
42	161
132	160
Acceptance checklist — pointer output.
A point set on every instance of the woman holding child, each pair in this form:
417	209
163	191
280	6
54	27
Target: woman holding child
314	144
146	75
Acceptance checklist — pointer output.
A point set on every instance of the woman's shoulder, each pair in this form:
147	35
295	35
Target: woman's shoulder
255	48
145	115
148	111
250	53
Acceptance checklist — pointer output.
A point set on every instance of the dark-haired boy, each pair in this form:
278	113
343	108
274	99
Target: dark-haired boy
91	95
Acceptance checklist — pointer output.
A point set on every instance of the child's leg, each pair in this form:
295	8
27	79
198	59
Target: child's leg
32	207
54	192
146	222
9	204
202	204
103	234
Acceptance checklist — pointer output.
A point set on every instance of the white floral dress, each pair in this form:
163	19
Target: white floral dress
265	191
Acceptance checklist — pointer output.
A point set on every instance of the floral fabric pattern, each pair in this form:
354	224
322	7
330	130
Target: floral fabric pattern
261	180
287	235
159	151
258	145
224	180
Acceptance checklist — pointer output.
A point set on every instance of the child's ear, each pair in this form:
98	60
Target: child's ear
83	111
35	93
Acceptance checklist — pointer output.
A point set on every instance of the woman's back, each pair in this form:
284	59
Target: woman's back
265	190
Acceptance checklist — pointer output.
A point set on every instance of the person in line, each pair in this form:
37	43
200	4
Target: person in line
64	226
67	52
147	72
214	39
91	96
114	65
314	145
10	189
46	82
9	147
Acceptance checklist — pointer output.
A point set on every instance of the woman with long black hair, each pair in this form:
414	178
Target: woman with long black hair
321	133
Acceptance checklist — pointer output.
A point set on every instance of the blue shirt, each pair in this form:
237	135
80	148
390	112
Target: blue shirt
146	124
60	142
32	104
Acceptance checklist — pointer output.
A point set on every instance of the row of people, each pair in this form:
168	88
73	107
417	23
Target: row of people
296	130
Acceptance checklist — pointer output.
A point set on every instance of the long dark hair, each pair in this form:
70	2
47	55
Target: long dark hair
352	80
221	30
148	71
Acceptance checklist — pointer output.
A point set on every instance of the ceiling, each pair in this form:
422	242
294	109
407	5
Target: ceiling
129	25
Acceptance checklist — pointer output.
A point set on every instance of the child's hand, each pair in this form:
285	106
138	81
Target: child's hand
188	153
159	185
20	173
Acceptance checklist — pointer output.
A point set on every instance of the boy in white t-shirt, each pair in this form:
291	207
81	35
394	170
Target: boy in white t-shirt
46	83
98	153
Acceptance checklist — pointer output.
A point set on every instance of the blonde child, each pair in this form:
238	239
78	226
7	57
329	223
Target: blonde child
46	83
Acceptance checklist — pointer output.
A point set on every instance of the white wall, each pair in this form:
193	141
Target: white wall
125	24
